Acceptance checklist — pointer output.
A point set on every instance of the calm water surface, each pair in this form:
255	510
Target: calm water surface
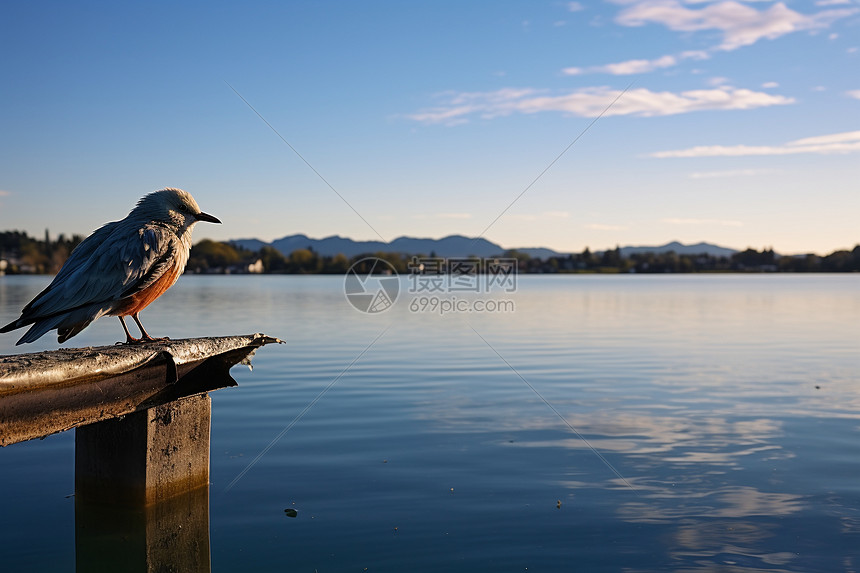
636	423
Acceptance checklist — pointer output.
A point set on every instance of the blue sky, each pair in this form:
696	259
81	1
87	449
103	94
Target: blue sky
740	123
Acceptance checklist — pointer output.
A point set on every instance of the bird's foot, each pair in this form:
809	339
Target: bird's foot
148	338
143	339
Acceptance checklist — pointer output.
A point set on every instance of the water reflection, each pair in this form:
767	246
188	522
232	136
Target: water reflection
172	535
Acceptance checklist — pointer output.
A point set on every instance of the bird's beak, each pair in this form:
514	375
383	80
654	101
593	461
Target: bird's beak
206	217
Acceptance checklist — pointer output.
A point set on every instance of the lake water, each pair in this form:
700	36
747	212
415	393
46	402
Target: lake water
637	423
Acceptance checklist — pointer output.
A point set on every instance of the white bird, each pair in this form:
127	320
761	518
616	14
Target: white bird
118	270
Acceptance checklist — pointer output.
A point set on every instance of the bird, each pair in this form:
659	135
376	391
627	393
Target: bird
118	270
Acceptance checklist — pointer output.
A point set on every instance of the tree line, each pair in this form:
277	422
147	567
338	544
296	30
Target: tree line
211	256
25	254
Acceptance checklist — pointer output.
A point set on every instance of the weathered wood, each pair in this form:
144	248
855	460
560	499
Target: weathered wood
48	392
146	456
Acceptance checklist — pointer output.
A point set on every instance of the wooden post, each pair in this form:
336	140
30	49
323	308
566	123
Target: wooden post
146	456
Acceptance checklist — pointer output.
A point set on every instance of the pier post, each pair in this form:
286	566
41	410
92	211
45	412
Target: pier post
146	456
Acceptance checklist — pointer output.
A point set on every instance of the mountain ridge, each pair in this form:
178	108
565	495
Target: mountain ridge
450	246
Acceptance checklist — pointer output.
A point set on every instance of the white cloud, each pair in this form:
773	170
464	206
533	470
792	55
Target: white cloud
729	173
575	7
591	102
573	71
833	3
835	138
5	193
838	143
695	55
697	222
770	85
719	81
740	24
629	67
626	68
853	93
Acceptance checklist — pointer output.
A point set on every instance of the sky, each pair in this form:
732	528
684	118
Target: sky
531	123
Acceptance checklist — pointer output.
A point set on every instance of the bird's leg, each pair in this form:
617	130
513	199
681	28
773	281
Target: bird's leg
145	335
129	339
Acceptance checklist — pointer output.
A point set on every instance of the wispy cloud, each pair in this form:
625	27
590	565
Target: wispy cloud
853	93
591	102
702	222
718	81
575	7
630	67
837	143
626	68
740	24
5	193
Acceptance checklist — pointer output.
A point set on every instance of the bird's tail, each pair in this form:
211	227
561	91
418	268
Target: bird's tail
39	328
67	326
15	324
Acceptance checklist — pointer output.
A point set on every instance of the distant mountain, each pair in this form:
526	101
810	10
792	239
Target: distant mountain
453	246
681	249
540	253
448	247
250	244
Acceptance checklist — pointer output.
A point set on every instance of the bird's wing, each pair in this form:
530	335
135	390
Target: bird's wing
78	258
115	262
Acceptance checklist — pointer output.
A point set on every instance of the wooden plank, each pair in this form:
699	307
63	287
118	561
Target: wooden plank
48	392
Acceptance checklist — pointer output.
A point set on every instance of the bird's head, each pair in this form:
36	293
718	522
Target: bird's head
175	207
